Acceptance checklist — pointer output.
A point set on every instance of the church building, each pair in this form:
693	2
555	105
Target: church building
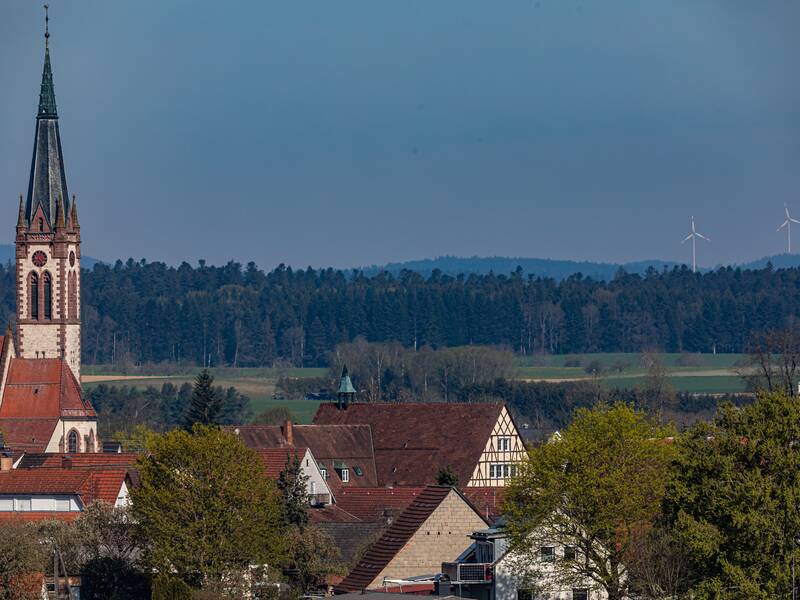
41	408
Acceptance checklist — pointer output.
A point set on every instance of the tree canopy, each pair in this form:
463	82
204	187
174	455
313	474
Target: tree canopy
205	508
593	488
733	499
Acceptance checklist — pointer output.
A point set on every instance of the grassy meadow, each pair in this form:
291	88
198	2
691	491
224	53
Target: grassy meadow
695	373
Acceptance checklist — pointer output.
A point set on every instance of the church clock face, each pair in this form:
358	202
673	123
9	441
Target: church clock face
39	258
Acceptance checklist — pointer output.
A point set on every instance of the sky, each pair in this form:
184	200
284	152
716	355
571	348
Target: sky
360	132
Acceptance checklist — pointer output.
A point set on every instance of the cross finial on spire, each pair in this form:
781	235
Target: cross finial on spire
46	25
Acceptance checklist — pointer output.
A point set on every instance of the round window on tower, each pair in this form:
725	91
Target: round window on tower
71	259
39	258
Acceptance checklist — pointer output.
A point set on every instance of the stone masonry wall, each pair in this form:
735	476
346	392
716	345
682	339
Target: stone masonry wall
441	538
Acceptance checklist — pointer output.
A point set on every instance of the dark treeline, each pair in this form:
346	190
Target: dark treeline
235	316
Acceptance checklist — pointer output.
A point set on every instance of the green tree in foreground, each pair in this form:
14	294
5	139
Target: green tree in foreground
593	489
22	557
206	405
735	496
293	485
205	510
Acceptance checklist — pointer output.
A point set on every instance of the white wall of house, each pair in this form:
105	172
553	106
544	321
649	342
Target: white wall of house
510	576
316	483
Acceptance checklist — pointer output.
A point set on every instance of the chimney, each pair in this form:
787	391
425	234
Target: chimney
288	433
66	462
6	462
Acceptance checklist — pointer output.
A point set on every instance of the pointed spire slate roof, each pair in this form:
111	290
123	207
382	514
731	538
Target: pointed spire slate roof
48	180
345	385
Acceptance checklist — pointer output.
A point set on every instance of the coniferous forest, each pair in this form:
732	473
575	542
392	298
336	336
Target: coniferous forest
242	316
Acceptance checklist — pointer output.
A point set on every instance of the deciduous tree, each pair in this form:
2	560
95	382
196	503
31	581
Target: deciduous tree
205	510
592	489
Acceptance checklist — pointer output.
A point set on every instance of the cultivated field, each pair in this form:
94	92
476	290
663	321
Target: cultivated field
697	373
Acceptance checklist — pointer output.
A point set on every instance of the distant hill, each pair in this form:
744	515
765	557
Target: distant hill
7	255
556	269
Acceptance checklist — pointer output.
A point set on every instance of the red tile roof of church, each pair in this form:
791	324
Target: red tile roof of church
414	440
42	388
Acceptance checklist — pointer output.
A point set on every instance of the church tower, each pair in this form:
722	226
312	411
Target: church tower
48	245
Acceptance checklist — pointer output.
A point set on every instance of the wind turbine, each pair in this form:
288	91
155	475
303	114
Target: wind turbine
693	236
788	224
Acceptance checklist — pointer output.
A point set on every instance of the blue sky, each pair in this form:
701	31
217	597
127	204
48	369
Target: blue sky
360	132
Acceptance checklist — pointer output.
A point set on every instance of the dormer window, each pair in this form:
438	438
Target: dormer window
358	471
324	472
345	474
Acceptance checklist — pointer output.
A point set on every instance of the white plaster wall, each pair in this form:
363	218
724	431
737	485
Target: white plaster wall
62	430
510	569
311	470
123	498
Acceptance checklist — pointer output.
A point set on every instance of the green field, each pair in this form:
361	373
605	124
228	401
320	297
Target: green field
695	373
256	384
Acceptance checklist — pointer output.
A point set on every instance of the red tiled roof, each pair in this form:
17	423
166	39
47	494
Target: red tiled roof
28	434
394	538
414	440
274	459
89	484
488	500
37	516
81	460
42	388
376	504
331	514
351	444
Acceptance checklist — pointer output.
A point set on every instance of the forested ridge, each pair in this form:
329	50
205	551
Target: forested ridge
243	316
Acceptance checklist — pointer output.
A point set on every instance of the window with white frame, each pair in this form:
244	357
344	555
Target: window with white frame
547	554
22	504
324	472
504	444
345	475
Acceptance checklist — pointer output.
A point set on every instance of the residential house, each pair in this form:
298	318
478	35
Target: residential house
43	494
275	461
434	526
413	442
344	453
489	570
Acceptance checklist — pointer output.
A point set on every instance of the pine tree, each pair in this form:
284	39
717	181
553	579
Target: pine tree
293	487
206	405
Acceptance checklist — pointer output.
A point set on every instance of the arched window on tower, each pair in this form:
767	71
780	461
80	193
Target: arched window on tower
33	296
48	296
41	224
72	442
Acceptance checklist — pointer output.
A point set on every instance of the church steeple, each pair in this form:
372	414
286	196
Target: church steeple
48	181
47	95
48	245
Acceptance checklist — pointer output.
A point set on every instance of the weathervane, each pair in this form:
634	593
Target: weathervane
46	25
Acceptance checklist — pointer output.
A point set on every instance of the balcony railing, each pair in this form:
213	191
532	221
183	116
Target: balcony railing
468	572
